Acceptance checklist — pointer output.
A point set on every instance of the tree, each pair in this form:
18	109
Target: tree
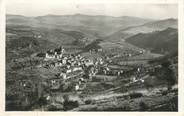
168	74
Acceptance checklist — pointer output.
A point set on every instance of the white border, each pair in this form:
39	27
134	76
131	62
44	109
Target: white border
39	113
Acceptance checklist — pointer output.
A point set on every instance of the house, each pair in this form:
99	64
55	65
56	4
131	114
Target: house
88	63
141	52
142	80
68	65
63	76
134	80
77	68
99	50
59	50
58	64
64	61
56	53
49	54
48	97
37	36
77	87
68	71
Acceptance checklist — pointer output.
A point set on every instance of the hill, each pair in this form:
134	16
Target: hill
165	41
102	25
153	26
22	41
145	28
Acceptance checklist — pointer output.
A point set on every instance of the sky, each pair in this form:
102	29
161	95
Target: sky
69	7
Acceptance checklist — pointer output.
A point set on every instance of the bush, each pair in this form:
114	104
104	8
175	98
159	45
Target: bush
42	101
135	95
143	106
55	108
88	101
164	92
68	105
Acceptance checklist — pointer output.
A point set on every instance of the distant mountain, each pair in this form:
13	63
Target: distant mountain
152	26
57	36
20	20
145	28
163	23
81	30
165	41
98	24
22	41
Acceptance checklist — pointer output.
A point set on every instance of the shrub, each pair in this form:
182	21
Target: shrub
164	92
42	101
135	95
55	108
143	106
68	105
88	101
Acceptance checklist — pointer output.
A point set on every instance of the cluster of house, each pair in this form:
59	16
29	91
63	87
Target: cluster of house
75	65
56	53
71	65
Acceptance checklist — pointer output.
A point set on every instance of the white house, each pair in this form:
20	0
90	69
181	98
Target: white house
77	87
68	71
63	75
49	55
77	68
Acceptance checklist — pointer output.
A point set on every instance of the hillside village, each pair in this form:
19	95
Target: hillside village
56	70
74	73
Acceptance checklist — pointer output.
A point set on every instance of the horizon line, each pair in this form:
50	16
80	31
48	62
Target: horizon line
90	15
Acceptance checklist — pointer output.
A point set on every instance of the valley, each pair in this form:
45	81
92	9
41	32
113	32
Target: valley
91	63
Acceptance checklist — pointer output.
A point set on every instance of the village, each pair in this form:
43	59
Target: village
80	68
62	74
125	59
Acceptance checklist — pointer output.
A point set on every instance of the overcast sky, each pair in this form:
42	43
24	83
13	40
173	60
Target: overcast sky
56	7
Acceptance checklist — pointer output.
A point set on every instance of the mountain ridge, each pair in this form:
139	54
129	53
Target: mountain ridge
165	41
100	24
